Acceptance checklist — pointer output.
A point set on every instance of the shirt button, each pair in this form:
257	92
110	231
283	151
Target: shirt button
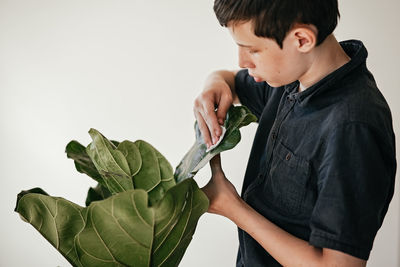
288	156
290	99
273	135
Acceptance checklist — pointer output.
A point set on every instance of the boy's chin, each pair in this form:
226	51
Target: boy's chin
274	84
278	84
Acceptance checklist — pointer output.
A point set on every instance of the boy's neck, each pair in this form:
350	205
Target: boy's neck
323	60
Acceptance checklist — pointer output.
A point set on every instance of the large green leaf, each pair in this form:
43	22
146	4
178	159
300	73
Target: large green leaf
176	217
156	174
121	230
132	155
58	220
110	163
130	165
197	157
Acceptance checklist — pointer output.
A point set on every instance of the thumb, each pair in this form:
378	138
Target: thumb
224	104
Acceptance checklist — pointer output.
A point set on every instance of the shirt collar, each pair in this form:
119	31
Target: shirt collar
357	52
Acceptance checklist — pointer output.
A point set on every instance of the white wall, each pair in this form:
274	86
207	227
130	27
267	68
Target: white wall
132	69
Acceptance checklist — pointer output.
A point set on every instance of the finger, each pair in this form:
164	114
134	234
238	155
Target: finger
205	133
215	164
224	105
210	118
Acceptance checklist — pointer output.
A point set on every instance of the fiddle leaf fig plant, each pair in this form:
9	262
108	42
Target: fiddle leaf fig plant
140	213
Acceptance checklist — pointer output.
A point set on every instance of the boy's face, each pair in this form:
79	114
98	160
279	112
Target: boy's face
263	57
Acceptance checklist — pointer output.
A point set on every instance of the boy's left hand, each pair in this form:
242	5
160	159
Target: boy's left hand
221	193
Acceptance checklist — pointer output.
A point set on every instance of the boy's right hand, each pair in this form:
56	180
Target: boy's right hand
211	106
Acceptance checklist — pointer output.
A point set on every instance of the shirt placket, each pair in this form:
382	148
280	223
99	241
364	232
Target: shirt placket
284	109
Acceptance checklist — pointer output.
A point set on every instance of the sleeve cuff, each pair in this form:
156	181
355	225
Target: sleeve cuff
326	240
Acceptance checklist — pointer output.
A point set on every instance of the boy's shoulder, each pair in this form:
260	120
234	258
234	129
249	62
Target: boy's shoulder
351	93
359	100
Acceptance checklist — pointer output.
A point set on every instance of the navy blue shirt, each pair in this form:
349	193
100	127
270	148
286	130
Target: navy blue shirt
322	165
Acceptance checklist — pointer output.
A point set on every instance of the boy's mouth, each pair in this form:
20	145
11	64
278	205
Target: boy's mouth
257	79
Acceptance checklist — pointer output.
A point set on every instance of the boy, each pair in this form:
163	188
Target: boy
321	171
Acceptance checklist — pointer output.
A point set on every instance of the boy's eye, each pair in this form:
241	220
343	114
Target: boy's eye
253	51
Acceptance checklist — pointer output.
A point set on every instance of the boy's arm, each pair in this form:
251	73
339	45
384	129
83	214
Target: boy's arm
219	92
287	249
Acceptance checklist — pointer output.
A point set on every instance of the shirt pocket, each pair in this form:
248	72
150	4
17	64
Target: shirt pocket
286	181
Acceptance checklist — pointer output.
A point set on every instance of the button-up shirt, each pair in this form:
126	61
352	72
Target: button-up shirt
322	165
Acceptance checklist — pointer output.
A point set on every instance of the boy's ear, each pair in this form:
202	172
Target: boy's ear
304	37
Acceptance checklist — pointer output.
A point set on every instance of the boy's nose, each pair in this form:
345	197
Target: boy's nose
244	59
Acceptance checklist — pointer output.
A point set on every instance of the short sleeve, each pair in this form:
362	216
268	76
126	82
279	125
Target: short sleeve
251	94
355	186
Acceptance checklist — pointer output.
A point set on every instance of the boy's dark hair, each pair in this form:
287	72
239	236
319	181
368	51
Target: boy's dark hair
274	18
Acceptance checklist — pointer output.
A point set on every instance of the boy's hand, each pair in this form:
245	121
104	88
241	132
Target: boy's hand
220	191
209	120
211	106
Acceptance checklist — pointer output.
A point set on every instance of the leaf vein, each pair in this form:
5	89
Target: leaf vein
184	229
120	226
53	216
101	239
137	211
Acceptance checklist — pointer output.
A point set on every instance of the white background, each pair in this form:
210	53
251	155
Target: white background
132	69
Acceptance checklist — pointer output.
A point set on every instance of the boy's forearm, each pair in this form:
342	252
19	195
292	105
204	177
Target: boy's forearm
287	249
226	76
